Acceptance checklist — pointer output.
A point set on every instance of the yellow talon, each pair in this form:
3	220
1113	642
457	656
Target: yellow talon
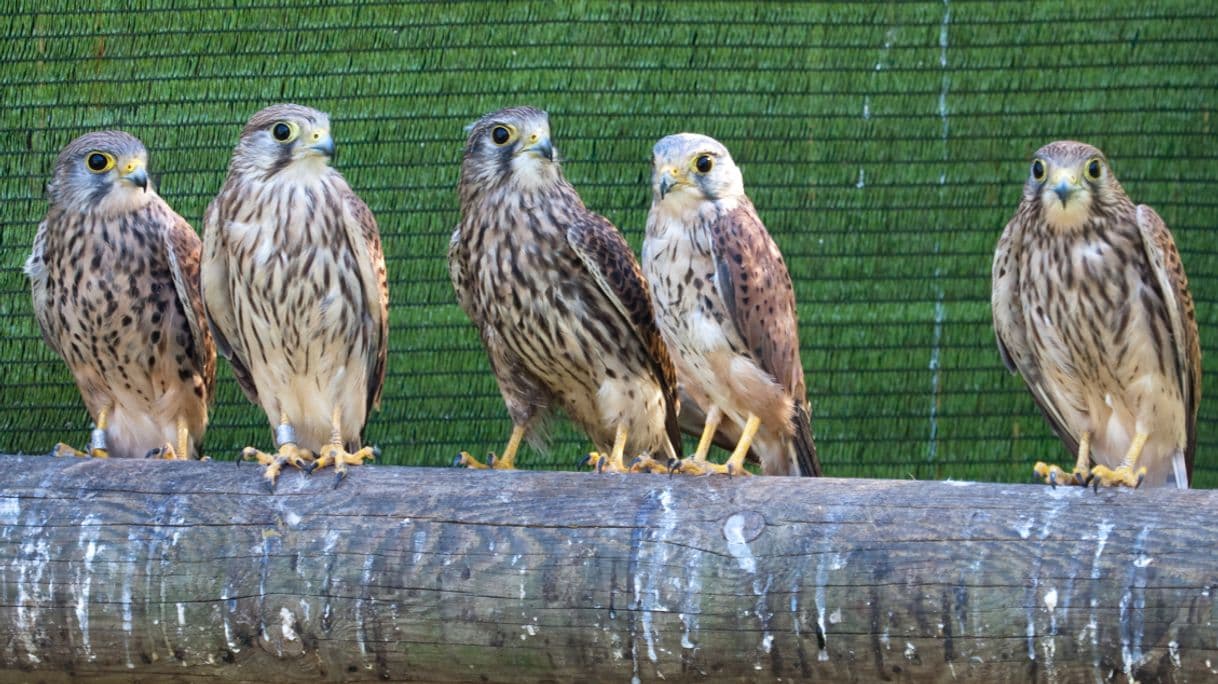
614	462
735	464
1122	475
505	462
1128	473
97	440
1081	475
288	454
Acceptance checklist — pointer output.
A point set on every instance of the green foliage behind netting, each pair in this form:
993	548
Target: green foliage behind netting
884	145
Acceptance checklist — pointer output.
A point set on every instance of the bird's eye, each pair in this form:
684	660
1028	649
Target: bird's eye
500	134
1094	167
99	162
1038	170
704	163
285	131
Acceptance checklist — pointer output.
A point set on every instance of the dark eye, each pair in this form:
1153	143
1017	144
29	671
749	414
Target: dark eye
1093	169
500	135
281	131
704	163
97	161
1038	170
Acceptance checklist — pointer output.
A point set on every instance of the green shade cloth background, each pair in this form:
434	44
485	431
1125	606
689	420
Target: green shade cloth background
885	146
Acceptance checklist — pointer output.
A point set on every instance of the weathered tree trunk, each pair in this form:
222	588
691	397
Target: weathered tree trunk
112	570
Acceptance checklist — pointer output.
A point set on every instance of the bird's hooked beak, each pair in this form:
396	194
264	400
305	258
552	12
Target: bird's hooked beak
669	178
540	145
133	172
321	143
1064	184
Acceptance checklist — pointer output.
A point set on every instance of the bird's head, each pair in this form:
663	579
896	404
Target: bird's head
688	168
285	138
1070	180
105	172
511	146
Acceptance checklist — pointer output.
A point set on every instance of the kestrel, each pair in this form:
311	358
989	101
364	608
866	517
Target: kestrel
558	298
295	287
115	280
725	305
1092	308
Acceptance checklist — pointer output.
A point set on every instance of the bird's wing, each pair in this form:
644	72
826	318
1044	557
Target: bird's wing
752	280
1010	328
365	239
184	249
608	258
1169	276
218	300
36	270
458	262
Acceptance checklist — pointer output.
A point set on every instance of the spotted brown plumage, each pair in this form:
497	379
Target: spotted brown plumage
296	291
115	281
1092	308
558	298
726	306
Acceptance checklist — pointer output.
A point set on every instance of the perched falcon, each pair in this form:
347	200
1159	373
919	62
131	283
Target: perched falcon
726	307
558	298
115	278
1091	307
295	287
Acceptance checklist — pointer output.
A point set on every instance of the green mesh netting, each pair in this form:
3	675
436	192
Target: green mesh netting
884	145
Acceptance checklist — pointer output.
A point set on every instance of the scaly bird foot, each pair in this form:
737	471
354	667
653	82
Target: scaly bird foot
647	464
60	450
692	466
167	453
605	463
601	463
493	462
1054	475
288	454
1123	475
336	455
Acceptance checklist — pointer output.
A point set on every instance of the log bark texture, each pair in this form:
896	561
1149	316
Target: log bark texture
121	570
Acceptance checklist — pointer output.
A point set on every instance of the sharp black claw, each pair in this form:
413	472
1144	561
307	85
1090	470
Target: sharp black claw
338	479
490	459
270	486
458	459
1053	479
635	460
1095	484
153	453
1141	476
309	467
376	452
583	462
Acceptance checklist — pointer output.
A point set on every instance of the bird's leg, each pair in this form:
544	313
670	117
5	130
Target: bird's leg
1128	473
336	453
168	452
1081	474
97	439
289	453
735	463
613	463
505	462
697	464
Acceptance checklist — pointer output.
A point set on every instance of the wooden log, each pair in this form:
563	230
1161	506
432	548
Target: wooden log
114	570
